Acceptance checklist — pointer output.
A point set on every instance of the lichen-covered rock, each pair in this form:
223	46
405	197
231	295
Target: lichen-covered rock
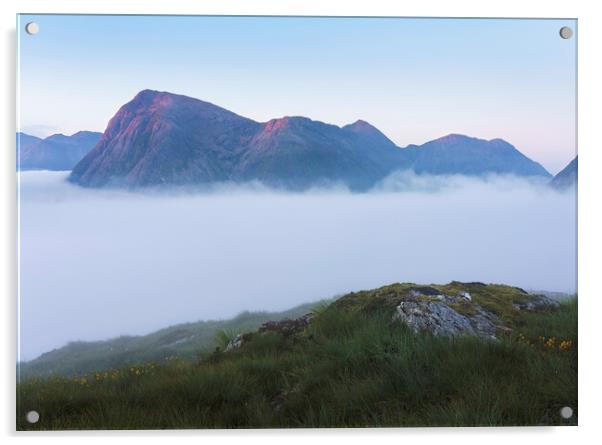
475	308
536	302
286	328
433	316
465	295
430	309
235	343
487	324
439	318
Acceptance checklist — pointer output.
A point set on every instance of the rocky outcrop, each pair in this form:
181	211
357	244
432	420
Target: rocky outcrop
236	342
434	313
440	319
430	310
286	328
454	309
536	302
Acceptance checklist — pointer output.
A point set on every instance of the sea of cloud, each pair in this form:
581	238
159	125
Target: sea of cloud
96	264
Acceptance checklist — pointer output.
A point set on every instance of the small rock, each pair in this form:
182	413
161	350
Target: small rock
287	327
235	343
465	295
536	302
504	329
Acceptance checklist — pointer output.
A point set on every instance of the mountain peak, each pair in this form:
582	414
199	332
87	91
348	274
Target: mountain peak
147	92
153	100
273	125
567	177
57	136
150	98
455	138
368	131
86	133
460	154
362	127
160	137
460	139
499	142
295	124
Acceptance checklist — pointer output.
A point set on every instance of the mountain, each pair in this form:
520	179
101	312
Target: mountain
463	155
567	177
56	152
297	152
164	138
25	140
161	138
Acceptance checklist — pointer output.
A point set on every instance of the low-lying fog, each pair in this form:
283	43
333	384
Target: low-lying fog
96	264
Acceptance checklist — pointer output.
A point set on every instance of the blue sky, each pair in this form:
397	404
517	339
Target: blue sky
415	79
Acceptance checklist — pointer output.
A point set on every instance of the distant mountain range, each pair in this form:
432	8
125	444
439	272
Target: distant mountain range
56	152
567	177
162	138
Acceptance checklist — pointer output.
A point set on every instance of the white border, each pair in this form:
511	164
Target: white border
590	224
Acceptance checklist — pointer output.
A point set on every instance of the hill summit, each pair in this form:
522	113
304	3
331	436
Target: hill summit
460	354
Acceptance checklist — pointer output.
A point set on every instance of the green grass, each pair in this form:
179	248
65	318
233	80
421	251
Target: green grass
350	368
184	341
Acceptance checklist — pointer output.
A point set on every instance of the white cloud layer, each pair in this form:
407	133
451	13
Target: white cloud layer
100	263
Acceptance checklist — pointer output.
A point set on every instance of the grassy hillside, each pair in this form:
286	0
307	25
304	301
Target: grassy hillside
353	366
184	341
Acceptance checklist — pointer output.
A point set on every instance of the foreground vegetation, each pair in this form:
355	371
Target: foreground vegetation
349	368
185	341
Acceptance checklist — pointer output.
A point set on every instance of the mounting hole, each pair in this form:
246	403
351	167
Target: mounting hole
566	412
566	32
32	416
32	28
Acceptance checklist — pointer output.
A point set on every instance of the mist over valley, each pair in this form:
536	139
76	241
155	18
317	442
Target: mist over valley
98	263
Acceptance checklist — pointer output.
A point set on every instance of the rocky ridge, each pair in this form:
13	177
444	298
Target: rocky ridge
455	309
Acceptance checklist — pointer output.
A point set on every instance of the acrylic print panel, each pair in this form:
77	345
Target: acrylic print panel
257	222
